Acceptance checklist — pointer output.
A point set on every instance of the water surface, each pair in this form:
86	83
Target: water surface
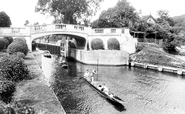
144	91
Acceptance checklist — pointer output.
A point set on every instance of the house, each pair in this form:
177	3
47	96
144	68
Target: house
149	19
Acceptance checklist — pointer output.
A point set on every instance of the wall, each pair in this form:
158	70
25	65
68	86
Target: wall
101	57
128	43
53	49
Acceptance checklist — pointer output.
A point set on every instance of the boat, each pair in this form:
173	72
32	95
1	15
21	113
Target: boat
62	61
115	100
64	65
47	54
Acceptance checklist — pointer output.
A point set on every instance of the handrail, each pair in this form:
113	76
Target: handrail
28	30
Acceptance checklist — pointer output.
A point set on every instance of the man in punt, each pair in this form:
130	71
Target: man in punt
87	74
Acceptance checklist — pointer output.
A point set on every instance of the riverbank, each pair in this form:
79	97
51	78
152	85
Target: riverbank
152	55
36	92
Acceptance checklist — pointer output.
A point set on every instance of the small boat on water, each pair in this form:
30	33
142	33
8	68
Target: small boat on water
115	100
47	54
64	65
62	60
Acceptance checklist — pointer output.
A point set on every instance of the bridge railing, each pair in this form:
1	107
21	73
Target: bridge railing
58	27
13	31
107	31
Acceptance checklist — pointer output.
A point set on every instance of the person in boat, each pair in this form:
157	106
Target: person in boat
92	74
110	95
86	74
105	89
99	87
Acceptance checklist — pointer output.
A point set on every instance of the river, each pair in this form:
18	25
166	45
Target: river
144	91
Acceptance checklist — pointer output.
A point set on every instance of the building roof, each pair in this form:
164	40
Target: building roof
146	17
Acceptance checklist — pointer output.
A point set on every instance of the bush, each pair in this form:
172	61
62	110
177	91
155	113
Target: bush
2	107
97	44
169	47
6	43
16	108
2	44
17	46
7	88
20	55
4	50
14	68
20	40
9	38
113	44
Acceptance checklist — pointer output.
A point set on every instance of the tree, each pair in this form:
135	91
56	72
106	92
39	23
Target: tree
164	17
36	23
121	15
4	20
69	11
26	23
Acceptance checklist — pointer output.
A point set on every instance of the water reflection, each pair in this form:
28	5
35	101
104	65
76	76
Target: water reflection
144	91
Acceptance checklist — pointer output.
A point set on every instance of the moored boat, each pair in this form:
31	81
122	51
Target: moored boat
47	54
64	65
62	60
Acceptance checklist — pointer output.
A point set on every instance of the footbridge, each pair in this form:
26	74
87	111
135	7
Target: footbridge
83	35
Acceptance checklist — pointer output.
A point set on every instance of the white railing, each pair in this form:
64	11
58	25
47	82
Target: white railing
28	30
59	27
107	31
13	31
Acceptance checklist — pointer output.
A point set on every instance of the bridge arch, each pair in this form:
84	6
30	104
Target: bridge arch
40	34
81	38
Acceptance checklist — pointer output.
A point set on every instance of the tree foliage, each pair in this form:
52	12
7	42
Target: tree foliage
97	44
2	44
18	45
164	17
26	23
121	15
113	44
69	11
9	38
4	20
14	69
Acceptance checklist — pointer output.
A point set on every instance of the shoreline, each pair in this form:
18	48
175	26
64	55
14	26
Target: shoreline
160	68
36	92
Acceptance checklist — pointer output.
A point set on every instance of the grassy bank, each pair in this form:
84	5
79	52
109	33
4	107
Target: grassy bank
32	94
153	54
36	92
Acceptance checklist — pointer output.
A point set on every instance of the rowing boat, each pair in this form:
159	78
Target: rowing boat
115	100
64	65
47	54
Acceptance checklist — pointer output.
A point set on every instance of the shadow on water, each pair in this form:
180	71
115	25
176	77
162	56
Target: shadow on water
117	106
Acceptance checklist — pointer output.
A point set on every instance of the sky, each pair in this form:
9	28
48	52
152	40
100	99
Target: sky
21	10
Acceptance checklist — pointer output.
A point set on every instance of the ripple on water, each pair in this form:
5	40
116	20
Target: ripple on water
145	91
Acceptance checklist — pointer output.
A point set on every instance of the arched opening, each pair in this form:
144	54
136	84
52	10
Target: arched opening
60	44
97	44
113	44
57	38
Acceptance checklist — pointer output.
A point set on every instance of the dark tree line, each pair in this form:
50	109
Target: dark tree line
4	20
